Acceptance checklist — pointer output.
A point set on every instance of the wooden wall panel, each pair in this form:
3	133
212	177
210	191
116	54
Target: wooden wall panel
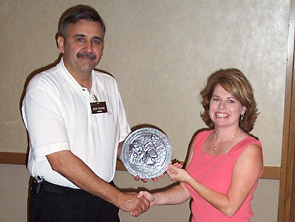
269	172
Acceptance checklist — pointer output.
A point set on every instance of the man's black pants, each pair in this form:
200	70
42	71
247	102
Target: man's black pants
60	204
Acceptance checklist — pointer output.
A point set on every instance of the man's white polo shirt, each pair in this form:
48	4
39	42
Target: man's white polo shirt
57	114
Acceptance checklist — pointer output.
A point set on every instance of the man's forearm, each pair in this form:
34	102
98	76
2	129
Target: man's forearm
75	170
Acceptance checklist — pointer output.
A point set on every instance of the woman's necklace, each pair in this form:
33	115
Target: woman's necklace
227	140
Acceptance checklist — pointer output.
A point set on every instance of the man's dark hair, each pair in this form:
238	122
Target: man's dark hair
79	12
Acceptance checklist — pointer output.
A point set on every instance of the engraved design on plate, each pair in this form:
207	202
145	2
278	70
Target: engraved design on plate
148	153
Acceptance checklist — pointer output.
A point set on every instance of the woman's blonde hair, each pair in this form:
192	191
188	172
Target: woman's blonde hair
234	82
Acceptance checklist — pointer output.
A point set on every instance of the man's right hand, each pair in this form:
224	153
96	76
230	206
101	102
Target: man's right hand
130	202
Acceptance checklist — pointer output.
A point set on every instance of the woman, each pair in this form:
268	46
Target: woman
225	162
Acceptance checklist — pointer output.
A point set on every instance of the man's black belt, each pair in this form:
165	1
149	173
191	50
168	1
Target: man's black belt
53	188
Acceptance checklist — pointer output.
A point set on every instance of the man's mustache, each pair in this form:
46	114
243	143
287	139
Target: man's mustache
86	54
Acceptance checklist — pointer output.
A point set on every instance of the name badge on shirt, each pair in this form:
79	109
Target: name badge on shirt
98	107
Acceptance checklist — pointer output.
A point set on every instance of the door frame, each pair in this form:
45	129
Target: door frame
286	206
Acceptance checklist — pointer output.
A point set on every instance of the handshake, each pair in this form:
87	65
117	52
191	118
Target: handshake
138	203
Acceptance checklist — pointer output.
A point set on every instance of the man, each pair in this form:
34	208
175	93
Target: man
76	123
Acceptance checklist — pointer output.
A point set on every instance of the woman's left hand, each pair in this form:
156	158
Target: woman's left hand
176	173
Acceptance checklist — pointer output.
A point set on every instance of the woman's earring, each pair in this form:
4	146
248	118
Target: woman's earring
242	116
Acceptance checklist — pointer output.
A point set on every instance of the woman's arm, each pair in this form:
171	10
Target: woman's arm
174	195
245	174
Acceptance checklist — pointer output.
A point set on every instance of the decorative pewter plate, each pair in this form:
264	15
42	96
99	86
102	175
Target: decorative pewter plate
146	153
